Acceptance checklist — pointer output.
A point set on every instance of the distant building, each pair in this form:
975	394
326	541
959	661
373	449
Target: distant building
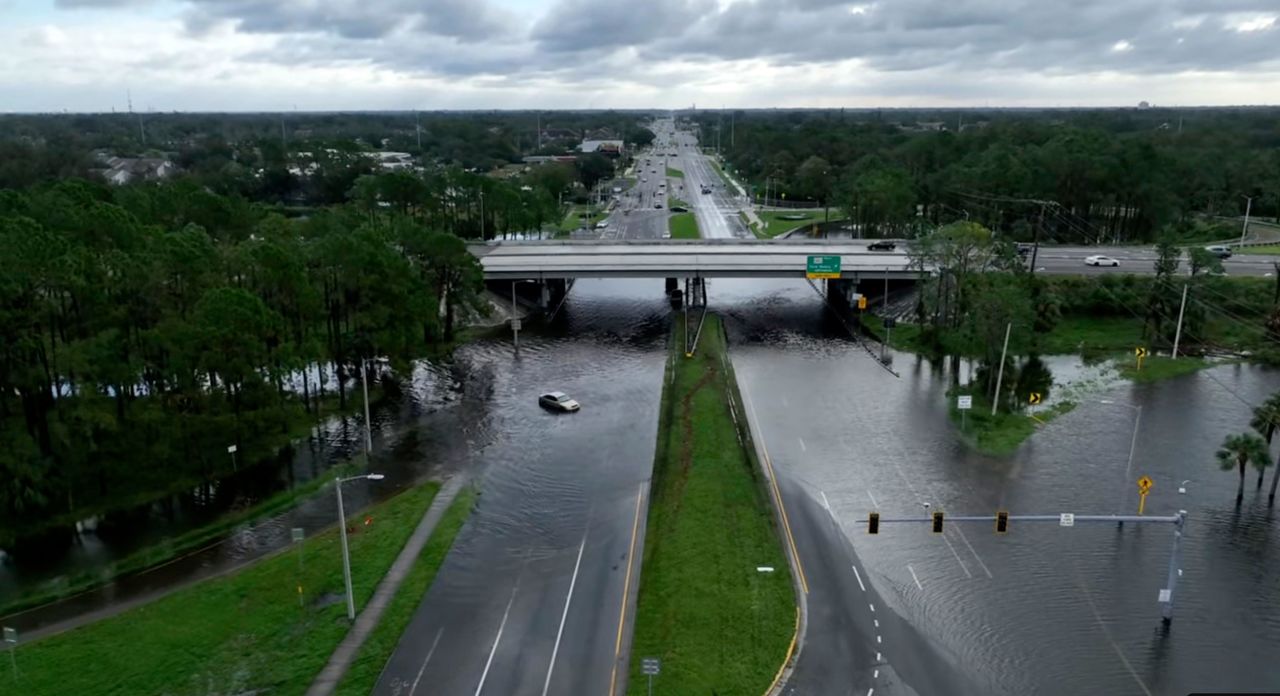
393	161
1144	105
599	134
608	148
122	170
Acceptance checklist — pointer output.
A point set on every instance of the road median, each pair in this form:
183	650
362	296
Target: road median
716	601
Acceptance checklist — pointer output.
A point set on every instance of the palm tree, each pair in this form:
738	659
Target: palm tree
1238	451
1266	420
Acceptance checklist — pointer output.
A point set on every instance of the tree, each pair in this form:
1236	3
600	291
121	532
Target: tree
1162	303
1203	260
1238	451
1266	419
813	179
592	168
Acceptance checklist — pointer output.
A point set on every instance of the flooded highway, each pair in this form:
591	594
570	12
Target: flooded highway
529	599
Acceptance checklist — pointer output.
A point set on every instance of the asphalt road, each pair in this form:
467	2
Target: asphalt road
717	211
537	595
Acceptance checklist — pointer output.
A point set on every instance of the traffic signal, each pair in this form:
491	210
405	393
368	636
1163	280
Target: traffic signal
873	523
1002	522
937	522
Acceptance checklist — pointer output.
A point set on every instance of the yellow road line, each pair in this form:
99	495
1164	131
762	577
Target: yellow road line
790	649
777	493
626	589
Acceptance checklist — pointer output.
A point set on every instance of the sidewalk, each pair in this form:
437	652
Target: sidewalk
340	661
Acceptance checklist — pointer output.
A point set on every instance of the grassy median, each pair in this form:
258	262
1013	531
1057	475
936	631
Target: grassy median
673	173
1000	434
240	633
719	624
377	648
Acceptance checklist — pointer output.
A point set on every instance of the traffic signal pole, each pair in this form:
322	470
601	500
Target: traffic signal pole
936	520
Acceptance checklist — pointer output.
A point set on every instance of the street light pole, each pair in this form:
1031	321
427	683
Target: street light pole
995	402
1247	209
1133	443
368	427
1177	335
342	530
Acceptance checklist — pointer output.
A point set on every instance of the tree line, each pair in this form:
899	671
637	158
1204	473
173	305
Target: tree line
1079	176
148	327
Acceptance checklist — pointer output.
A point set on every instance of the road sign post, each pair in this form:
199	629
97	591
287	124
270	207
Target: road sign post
818	267
1140	353
651	667
963	404
1144	487
297	534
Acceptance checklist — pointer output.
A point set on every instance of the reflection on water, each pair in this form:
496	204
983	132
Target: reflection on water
1040	610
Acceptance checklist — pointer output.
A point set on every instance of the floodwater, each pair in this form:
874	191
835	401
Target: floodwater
1043	609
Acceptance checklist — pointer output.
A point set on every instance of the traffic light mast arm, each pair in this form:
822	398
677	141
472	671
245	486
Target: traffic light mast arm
1167	519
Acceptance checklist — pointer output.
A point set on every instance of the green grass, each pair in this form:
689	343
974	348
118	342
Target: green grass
1270	249
234	634
377	648
774	224
1084	334
673	173
1001	434
728	184
574	218
170	548
718	624
683	226
1159	367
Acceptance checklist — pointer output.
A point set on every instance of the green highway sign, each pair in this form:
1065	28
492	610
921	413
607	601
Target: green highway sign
823	267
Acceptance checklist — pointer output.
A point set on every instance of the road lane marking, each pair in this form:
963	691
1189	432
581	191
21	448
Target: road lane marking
422	669
858	575
1102	625
963	567
914	577
825	503
965	539
874	504
870	691
877	657
876	622
777	492
802	447
875	674
878	640
496	639
626	588
546	685
873	608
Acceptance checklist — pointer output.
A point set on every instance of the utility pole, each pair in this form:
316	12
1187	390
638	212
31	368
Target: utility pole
995	402
1177	335
1035	242
368	428
1247	209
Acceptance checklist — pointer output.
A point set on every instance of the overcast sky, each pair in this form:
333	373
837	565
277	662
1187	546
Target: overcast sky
239	55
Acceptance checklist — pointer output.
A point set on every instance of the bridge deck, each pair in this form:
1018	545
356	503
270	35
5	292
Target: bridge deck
679	258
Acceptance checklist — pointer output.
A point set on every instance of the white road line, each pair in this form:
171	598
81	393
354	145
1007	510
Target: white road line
965	539
873	608
802	447
870	691
489	662
877	657
874	504
875	674
914	577
422	669
858	575
546	685
878	640
963	567
825	503
876	622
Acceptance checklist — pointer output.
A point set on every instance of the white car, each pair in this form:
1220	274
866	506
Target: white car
1100	260
558	401
603	224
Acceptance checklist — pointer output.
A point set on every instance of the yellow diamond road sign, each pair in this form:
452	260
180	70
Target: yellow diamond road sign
1034	398
1144	484
1140	352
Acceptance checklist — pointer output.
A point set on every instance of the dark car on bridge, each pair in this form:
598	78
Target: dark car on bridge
882	245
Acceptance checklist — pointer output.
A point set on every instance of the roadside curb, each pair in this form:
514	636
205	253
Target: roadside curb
326	682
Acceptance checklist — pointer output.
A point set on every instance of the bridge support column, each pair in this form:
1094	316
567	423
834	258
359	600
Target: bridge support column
553	291
840	291
672	284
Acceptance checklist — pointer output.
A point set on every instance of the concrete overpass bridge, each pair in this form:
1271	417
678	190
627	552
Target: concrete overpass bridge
553	263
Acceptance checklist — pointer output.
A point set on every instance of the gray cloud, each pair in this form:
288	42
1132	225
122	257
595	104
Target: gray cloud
470	20
582	25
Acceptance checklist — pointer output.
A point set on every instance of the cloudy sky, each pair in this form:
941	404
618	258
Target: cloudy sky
85	55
